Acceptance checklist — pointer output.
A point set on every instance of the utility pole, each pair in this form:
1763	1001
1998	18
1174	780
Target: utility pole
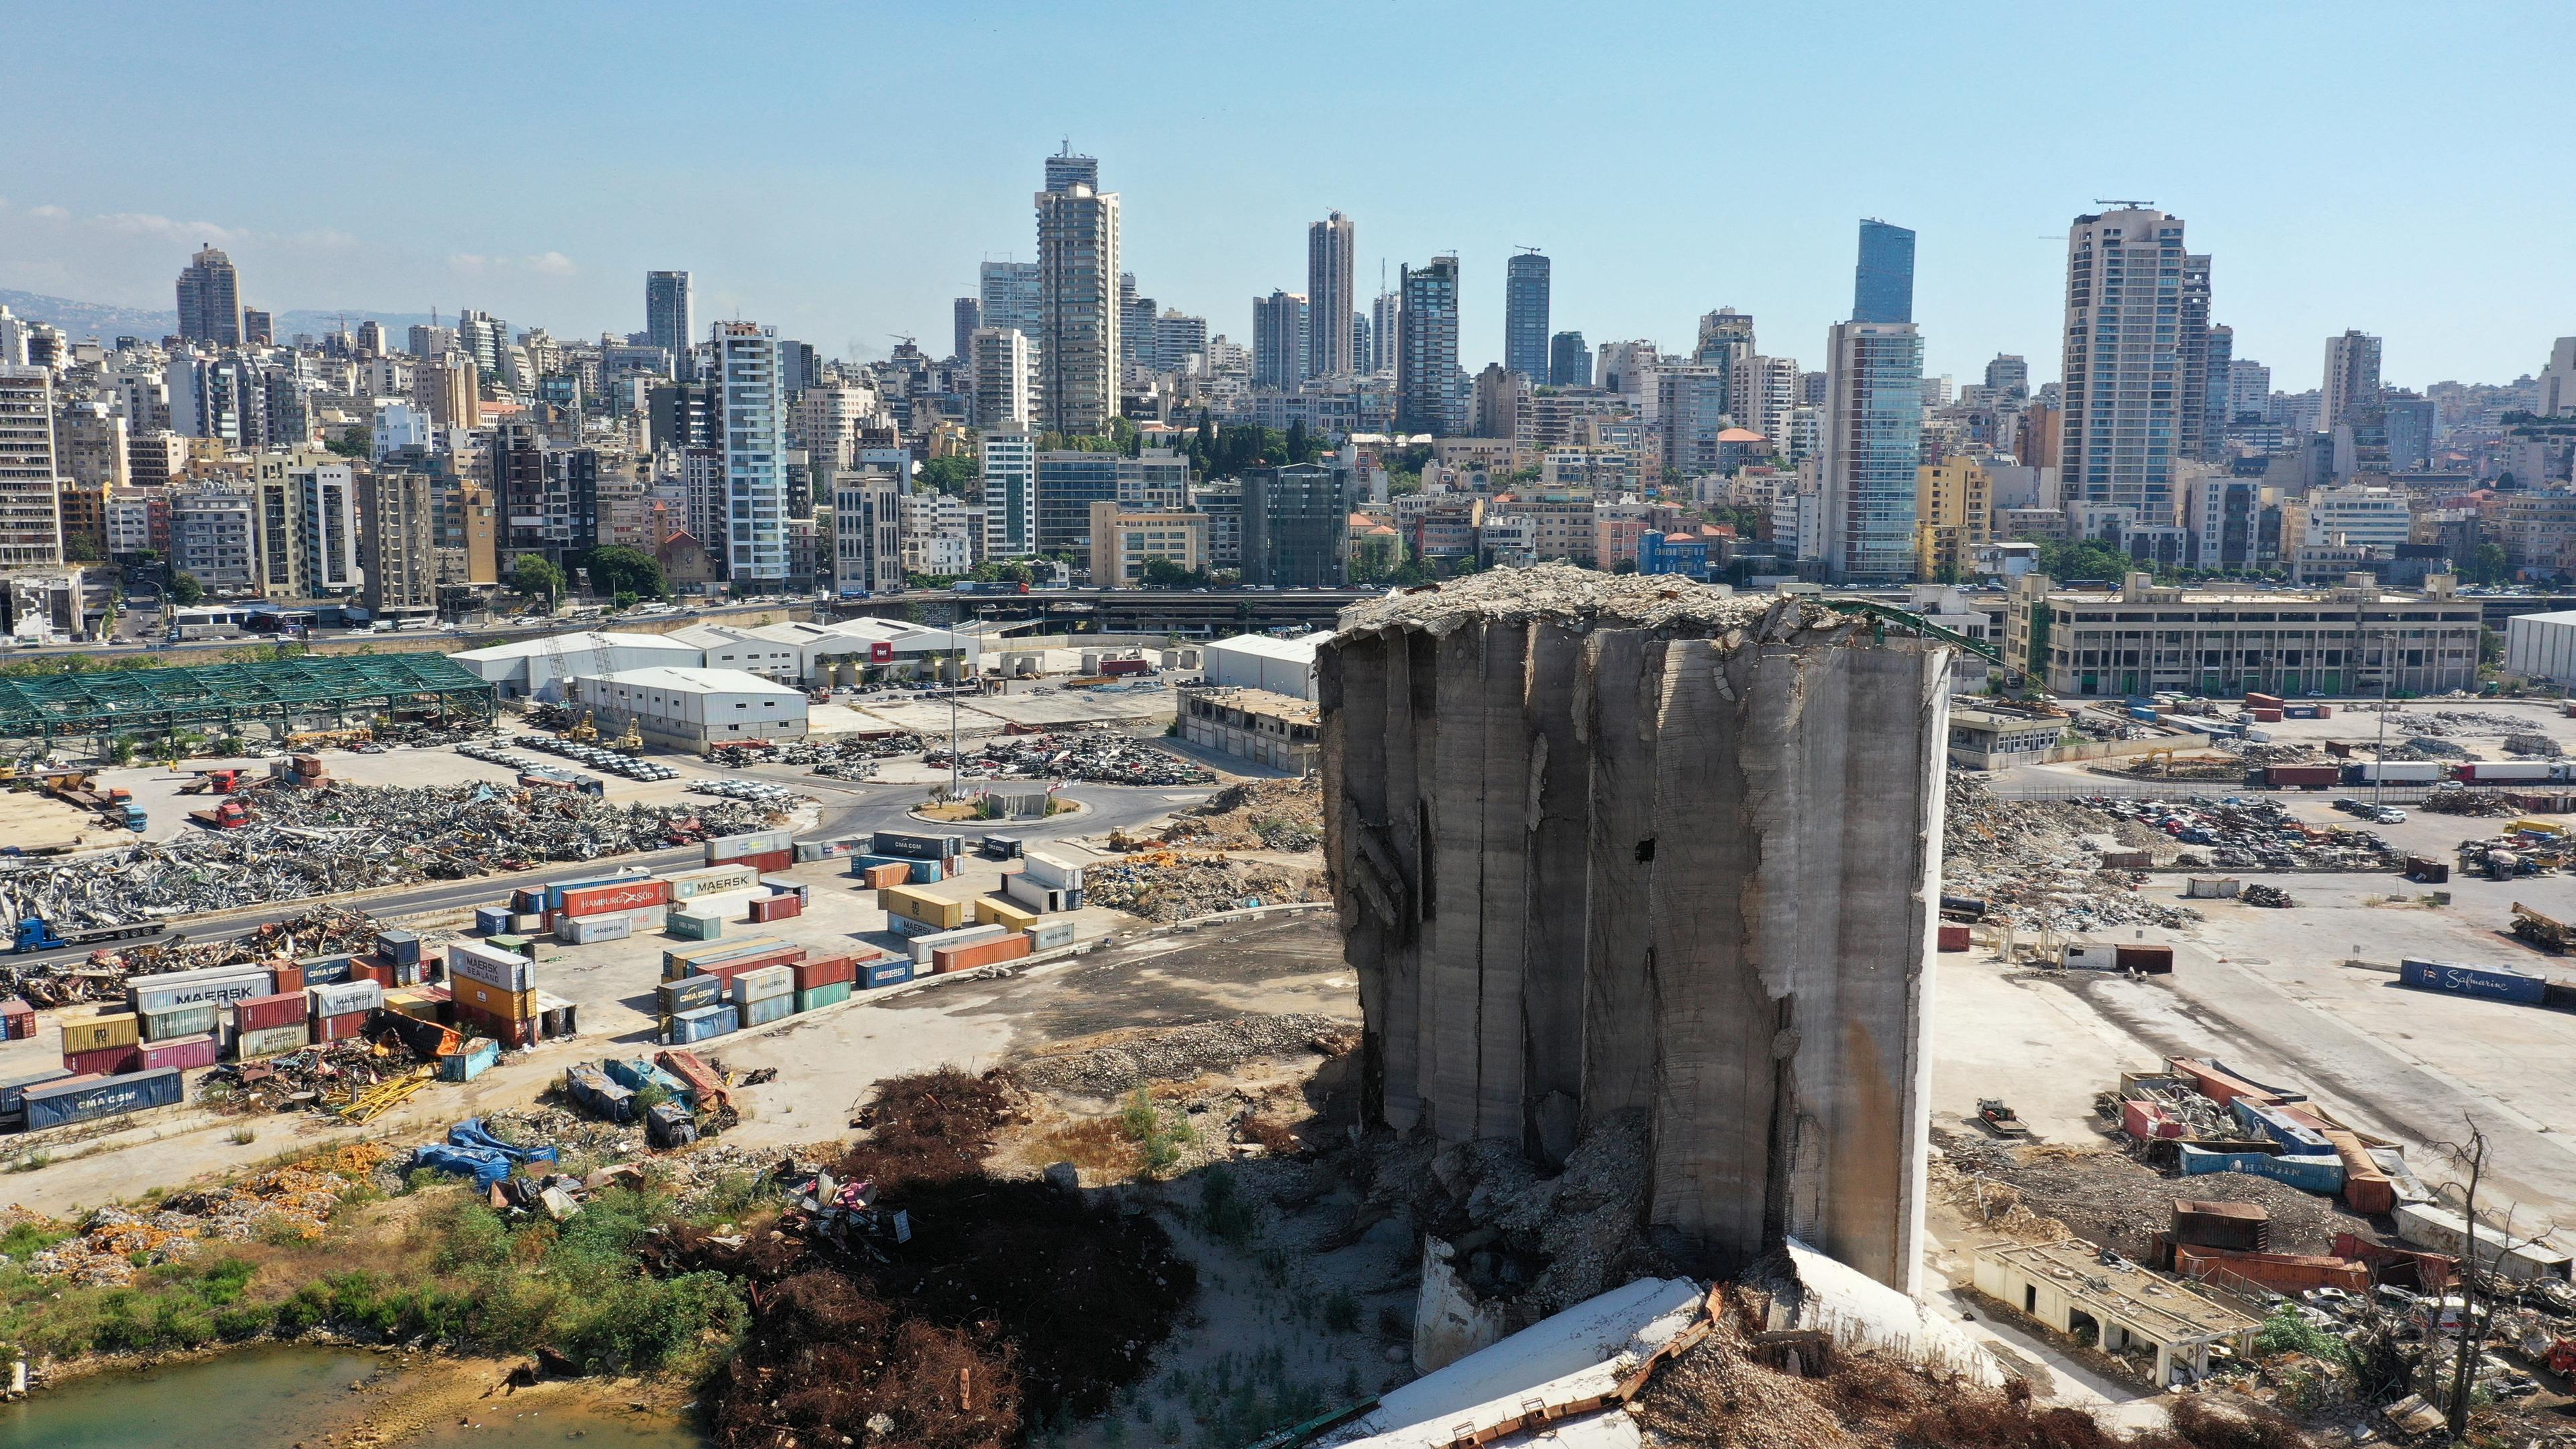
2379	768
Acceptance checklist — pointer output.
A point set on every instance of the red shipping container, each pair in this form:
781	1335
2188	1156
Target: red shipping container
777	908
379	972
765	862
1953	938
982	953
17	1019
285	976
181	1052
264	1013
2266	716
825	971
2145	1120
726	971
879	877
103	1061
599	900
484	1023
347	1026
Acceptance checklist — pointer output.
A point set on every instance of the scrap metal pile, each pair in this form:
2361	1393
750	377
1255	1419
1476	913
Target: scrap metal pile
2467	802
2255	834
841	757
598	758
115	1244
1172	886
102	975
1100	757
321	1077
318	842
2028	861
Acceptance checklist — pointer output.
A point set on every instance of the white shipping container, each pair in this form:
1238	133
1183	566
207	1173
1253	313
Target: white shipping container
688	885
583	930
763	984
1053	872
344	998
757	842
268	1042
2445	1231
501	970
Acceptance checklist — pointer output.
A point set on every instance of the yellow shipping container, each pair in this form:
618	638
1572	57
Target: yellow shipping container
492	1000
915	904
118	1029
995	911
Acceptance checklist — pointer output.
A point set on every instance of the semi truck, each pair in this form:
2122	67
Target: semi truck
35	933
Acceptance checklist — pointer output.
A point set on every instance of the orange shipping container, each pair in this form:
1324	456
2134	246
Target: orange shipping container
285	976
488	1000
2280	1272
878	877
825	971
982	953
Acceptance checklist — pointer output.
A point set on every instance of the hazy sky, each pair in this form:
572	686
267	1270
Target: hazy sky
839	170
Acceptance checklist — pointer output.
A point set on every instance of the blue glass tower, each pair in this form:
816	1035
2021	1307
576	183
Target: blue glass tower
1883	283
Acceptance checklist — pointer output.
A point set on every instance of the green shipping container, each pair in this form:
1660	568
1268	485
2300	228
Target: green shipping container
814	996
186	1021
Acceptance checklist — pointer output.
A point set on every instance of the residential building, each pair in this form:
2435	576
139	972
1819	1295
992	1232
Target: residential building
397	426
746	369
1121	542
137	519
2557	388
867	532
214	537
2249	389
830	420
943	535
1078	331
1502	403
2140	639
397	546
31	534
1178	340
1386	332
450	390
1953	509
2224	514
2193	337
91	446
1295	528
2352	377
1689	403
966	314
2009	376
1279	346
1871	448
210	308
1068	483
1429	397
1012	297
1003	373
1222	501
1525	309
1569	362
1331	255
1987	740
2120	427
2359	516
1883	279
669	312
1009	492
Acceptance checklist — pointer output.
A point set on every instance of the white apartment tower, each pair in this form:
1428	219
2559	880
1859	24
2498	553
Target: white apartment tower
1010	492
1331	245
31	524
754	445
2124	364
2352	377
1078	260
999	361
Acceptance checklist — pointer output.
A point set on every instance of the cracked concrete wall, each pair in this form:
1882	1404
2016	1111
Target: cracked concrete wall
1604	844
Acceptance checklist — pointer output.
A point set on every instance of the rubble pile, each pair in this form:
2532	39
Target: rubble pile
322	930
2466	802
1284	815
295	1201
1176	887
1544	1242
840	757
908	1298
1100	757
2442	722
2028	861
2526	744
320	1077
2255	834
345	838
2112	1199
1120	1062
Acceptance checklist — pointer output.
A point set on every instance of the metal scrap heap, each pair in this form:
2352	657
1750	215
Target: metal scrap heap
305	843
2032	863
1102	757
114	1243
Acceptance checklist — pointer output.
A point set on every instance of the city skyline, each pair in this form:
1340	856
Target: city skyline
99	214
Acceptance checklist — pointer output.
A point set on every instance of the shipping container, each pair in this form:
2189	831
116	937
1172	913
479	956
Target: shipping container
825	971
491	920
765	864
1049	935
2146	1121
625	895
493	1001
635	1074
2496	772
2284	1126
2241	1226
2118	956
81	1100
2279	1272
763	983
691	925
1039	897
725	848
2318	1174
2445	1231
992	911
918	847
347	1026
211	986
13	1090
591	1090
981	953
1952	938
477	1057
2255	700
787	885
891	971
115	1029
590	930
343	999
269	1041
923	945
2211	887
688	885
185	1021
259	1013
670	998
106	1061
179	1053
999	847
811	998
701	1024
676	960
2497	983
1055	872
527	923
776	908
2302	777
284	976
499	969
915	904
882	873
367	968
767	1009
17	1020
401	946
2394	772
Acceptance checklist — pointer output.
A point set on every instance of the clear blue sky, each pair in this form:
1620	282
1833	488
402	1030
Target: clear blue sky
839	170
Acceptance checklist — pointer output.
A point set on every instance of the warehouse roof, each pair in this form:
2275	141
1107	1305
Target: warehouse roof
140	699
681	679
549	643
1300	650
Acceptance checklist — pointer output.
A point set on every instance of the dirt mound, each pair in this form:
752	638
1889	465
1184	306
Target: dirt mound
1178	890
995	1307
1286	815
1121	1061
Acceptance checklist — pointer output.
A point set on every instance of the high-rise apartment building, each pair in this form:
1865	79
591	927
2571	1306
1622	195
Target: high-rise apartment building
1178	337
1136	313
1280	324
396	545
2249	389
1569	362
2352	377
2218	365
1009	492
1386	330
2191	362
2120	427
484	338
1428	395
998	361
1883	280
2009	376
1332	297
1296	531
1011	297
754	448
31	533
1872	447
210	308
669	317
1078	328
2556	395
965	315
1525	306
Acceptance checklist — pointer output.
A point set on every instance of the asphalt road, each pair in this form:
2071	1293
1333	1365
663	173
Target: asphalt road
847	809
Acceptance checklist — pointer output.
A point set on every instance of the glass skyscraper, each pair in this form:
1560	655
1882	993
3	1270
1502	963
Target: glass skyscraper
1883	283
1569	362
1873	442
1525	285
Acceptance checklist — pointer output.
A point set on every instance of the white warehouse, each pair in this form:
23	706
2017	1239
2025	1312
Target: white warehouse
2541	646
691	709
1258	661
537	668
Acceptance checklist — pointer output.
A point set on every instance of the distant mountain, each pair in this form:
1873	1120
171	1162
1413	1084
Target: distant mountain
91	319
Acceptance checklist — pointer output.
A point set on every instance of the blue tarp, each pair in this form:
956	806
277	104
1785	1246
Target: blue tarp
471	1151
2309	1174
472	1133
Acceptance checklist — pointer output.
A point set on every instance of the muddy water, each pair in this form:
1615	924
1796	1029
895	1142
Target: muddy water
275	1398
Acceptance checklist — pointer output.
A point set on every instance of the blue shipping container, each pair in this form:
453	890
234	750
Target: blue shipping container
80	1099
701	1024
2497	983
479	1056
893	972
492	920
768	1009
689	993
324	970
13	1092
2298	1140
2309	1174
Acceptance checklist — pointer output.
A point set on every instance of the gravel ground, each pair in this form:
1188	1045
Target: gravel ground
2111	1199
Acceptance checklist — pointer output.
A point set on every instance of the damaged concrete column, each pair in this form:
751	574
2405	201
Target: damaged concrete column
1608	844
